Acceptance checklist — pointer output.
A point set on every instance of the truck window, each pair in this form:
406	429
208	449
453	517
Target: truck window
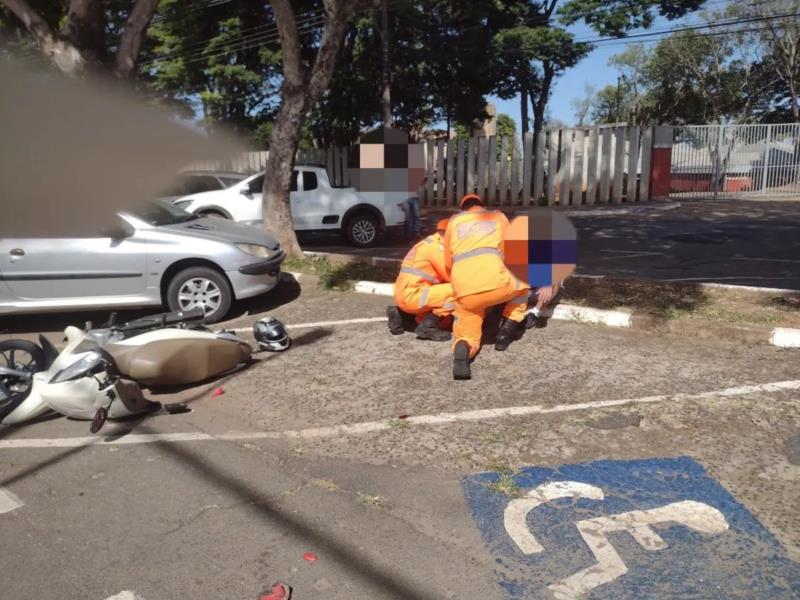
309	181
293	187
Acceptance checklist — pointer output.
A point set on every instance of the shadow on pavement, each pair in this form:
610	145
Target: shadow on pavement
346	554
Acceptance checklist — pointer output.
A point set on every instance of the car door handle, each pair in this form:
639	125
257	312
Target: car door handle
17	252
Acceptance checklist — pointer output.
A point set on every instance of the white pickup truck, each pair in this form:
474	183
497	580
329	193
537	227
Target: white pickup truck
315	205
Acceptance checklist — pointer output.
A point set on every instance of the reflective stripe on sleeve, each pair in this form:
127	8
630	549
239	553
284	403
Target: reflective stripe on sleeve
476	252
418	273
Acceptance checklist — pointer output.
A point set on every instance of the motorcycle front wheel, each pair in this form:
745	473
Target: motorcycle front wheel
20	355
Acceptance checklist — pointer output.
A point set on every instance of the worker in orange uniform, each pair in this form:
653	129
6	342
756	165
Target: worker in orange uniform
422	289
473	250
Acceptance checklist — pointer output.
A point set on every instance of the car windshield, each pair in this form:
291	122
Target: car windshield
158	213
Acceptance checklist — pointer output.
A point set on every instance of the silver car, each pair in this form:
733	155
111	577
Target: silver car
155	255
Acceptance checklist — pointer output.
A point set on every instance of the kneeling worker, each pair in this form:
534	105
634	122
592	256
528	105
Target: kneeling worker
473	247
422	289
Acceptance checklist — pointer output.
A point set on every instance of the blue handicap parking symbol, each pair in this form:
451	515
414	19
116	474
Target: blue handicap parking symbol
644	529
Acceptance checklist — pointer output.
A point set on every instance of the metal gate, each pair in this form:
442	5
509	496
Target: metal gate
741	160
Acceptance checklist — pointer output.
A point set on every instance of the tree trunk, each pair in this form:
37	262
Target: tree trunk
85	29
540	102
280	167
299	92
386	96
523	106
131	40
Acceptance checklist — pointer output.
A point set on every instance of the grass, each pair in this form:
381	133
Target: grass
505	483
659	299
371	500
683	301
336	275
399	424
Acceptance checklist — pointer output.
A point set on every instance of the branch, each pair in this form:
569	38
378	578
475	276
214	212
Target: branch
290	43
65	56
131	41
337	15
37	26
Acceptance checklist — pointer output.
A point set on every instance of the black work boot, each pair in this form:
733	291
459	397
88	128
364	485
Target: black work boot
461	361
428	329
395	320
509	331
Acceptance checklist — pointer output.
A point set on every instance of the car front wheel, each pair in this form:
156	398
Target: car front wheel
361	230
201	287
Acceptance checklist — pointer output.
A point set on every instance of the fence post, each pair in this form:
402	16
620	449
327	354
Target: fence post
491	191
538	168
564	179
765	164
661	162
578	158
552	165
460	160
605	165
502	185
633	165
480	180
527	145
647	161
451	157
619	163
514	172
591	167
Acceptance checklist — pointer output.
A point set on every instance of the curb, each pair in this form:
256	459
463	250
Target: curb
782	337
377	261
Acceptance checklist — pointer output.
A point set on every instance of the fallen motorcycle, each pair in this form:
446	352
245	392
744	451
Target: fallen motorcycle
98	374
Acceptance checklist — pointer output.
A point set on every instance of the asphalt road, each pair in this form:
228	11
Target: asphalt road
339	448
755	243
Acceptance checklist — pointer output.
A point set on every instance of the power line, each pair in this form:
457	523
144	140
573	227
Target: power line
263	38
250	31
688	28
203	6
707	34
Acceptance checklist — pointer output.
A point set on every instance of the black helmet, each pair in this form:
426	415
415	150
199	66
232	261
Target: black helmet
271	335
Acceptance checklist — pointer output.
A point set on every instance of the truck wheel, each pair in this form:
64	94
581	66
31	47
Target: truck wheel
211	213
200	287
361	230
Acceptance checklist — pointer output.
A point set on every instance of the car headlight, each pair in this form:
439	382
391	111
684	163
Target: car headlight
255	250
182	203
89	364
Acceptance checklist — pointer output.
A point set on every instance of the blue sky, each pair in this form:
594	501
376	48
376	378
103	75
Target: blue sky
593	69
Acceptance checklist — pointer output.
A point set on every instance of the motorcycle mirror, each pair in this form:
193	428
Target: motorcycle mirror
98	420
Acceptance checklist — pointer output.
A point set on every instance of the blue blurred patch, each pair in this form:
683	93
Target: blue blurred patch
744	561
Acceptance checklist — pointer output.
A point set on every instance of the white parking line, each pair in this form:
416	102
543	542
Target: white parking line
322	323
371	426
9	502
125	595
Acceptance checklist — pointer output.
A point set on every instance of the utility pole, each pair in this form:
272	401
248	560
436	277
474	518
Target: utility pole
616	110
386	71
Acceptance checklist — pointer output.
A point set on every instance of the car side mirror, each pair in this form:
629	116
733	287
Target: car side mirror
118	232
245	191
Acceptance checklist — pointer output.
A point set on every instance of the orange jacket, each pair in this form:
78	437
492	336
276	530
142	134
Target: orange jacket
423	265
473	251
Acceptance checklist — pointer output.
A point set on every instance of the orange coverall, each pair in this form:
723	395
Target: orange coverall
473	250
422	285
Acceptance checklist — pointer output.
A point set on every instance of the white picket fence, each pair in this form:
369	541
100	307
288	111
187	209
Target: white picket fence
568	167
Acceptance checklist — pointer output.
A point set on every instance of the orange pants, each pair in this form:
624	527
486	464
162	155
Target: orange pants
423	299
470	311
